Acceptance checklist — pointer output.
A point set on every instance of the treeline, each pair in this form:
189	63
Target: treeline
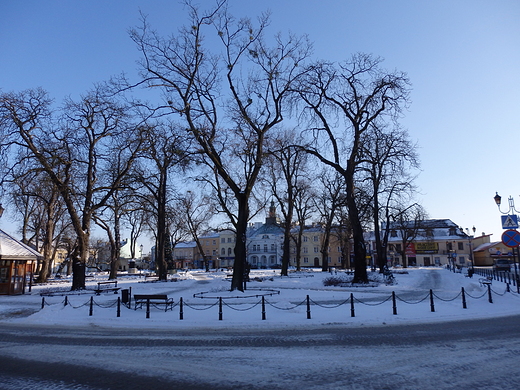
239	119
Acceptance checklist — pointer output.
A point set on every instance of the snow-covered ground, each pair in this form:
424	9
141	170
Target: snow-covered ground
285	301
331	350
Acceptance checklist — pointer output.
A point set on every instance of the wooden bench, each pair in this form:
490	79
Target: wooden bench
153	299
110	286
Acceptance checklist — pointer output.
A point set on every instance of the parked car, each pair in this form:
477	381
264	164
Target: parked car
502	265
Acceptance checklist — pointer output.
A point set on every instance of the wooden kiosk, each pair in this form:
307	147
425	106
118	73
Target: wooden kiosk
17	262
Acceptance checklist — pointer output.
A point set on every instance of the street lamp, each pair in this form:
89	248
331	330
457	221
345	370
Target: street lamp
452	255
512	211
470	239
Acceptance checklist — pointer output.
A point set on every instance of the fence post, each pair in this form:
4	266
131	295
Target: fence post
432	305
352	313
147	308
43	302
263	307
118	307
308	308
66	300
507	288
181	310
463	299
220	309
394	303
490	298
91	306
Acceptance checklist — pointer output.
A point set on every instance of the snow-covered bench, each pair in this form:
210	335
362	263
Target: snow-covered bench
153	299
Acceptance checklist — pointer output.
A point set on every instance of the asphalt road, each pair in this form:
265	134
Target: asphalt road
480	354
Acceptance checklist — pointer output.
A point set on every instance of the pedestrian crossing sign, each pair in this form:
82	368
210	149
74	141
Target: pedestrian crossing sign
509	222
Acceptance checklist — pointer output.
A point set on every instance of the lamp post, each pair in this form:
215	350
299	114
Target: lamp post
512	211
452	255
470	239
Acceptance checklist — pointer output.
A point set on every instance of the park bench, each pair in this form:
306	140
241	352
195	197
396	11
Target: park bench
152	277
485	281
153	299
110	286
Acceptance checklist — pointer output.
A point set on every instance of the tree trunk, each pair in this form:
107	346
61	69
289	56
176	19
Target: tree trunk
79	261
160	247
237	281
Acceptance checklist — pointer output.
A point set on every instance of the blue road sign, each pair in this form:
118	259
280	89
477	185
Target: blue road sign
509	221
511	238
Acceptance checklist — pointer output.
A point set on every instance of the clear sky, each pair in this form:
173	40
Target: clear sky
462	57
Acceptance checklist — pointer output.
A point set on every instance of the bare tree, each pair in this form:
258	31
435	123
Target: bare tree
387	158
227	114
197	211
408	224
286	169
327	202
343	101
304	208
165	151
75	151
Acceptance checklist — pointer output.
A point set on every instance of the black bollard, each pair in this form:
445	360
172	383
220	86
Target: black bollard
91	311
308	308
463	299
432	306
118	307
181	310
263	307
394	303
489	293
220	309
352	312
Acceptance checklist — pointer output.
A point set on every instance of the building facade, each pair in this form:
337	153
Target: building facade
436	242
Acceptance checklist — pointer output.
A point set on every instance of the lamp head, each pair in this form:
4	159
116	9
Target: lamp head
498	199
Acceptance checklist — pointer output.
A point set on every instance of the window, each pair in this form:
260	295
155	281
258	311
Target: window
222	240
229	239
265	247
223	251
315	238
462	260
393	233
273	247
305	249
214	253
214	242
429	232
265	237
229	251
461	246
305	259
316	249
398	247
305	238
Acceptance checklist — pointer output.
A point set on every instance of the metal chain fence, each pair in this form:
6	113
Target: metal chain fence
308	303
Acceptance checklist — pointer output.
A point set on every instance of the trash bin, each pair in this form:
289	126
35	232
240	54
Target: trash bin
125	295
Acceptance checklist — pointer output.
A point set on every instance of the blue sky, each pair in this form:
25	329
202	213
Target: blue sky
462	57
